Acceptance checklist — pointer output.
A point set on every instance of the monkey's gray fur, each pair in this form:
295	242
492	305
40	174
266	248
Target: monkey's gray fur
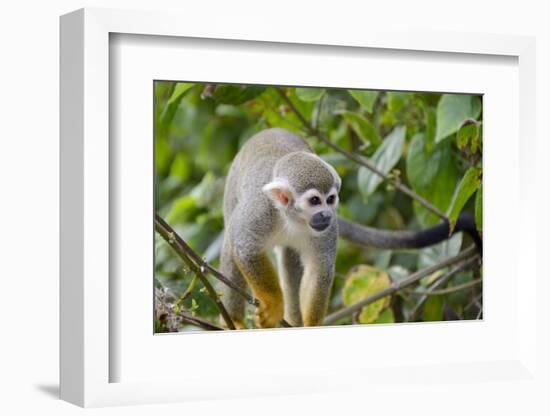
255	224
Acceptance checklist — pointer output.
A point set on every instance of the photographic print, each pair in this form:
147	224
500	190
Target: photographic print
279	207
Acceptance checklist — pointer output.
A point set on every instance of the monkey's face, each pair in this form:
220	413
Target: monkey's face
318	209
312	209
305	190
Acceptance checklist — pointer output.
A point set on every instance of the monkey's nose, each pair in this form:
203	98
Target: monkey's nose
320	221
320	227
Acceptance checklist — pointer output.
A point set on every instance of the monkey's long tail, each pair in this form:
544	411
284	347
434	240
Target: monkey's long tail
369	236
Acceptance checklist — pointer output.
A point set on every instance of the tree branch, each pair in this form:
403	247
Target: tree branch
193	320
198	265
360	160
188	251
174	241
396	286
170	315
447	290
441	281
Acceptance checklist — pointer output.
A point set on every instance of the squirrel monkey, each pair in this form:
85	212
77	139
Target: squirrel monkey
281	196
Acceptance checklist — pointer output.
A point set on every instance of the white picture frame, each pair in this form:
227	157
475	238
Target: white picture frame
86	351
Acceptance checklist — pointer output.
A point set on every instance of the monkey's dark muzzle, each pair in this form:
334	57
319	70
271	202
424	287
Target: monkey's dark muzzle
320	221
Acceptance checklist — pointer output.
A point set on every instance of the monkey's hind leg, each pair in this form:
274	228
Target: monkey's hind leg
290	271
233	302
261	277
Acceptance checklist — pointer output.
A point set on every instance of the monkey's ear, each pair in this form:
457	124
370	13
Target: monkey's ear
279	192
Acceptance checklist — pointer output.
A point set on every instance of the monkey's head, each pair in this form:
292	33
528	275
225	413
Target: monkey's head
305	190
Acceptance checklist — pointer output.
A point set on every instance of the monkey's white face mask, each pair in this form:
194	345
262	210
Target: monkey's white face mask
312	208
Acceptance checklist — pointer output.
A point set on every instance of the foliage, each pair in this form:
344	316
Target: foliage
430	142
385	158
364	281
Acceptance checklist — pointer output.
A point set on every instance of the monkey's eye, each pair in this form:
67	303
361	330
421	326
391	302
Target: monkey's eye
314	200
330	199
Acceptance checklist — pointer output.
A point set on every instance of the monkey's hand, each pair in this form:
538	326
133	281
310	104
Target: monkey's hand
270	312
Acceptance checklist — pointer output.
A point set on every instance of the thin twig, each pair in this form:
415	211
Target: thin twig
446	291
474	302
170	236
441	281
203	264
360	160
188	291
193	320
318	113
165	309
478	316
394	287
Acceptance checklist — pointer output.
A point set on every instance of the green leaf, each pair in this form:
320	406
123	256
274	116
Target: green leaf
386	317
309	94
421	165
163	153
433	309
430	256
169	111
363	127
181	166
465	189
479	209
398	272
453	110
385	158
236	94
467	136
362	282
431	175
269	105
365	98
180	89
194	307
430	120
460	298
208	192
397	100
382	259
182	209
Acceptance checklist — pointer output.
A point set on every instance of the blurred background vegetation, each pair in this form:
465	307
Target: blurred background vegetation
430	142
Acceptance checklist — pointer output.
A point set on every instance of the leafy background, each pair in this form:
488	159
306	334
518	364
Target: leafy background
430	142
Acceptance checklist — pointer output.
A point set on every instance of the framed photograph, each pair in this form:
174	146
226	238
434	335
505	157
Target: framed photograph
235	209
266	189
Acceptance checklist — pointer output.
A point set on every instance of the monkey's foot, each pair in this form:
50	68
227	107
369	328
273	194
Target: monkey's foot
239	324
269	314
